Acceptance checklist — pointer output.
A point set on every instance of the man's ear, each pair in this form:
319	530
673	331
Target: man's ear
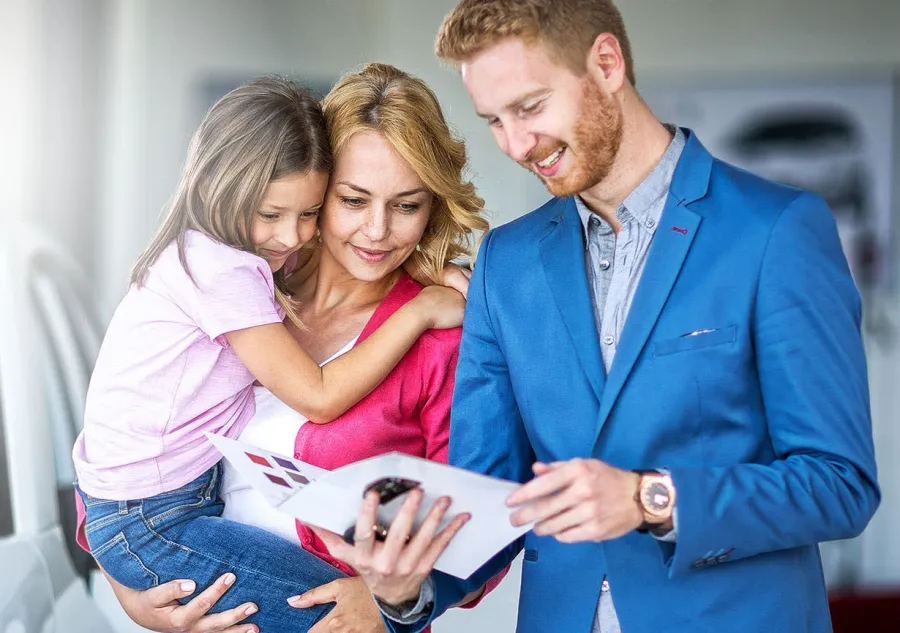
606	64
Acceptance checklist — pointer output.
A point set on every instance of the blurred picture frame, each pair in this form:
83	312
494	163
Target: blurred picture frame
836	136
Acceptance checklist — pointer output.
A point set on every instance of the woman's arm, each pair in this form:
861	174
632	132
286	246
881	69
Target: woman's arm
158	609
324	393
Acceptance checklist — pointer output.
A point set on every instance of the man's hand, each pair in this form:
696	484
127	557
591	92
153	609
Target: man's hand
158	608
579	500
354	611
395	569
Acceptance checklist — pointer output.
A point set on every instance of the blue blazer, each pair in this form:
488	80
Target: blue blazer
763	418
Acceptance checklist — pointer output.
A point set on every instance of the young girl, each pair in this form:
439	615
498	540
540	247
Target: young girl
201	322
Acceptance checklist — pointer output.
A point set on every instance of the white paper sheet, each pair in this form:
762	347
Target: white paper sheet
332	499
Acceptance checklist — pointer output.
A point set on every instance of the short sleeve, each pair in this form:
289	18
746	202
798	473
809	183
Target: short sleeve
227	290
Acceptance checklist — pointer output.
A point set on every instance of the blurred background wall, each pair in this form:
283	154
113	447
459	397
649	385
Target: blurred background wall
100	98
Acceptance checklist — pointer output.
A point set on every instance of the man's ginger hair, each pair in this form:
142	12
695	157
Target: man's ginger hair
566	28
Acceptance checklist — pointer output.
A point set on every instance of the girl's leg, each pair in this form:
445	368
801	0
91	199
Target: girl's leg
181	535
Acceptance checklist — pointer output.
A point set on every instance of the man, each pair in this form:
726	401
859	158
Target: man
669	345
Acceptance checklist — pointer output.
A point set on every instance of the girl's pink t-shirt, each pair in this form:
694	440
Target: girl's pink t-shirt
166	374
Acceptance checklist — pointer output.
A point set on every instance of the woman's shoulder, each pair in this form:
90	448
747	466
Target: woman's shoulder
404	291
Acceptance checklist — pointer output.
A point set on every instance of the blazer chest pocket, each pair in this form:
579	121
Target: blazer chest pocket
695	340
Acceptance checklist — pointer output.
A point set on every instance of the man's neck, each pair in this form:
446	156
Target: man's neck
644	142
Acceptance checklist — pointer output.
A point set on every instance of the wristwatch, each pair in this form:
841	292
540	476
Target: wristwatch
655	495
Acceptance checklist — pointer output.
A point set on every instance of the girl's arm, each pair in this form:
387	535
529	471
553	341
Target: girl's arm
324	393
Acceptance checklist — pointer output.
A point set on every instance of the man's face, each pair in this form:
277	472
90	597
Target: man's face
561	126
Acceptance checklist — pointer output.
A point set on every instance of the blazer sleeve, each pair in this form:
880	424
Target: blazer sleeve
812	374
486	433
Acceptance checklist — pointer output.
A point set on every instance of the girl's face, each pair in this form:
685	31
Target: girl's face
376	210
287	214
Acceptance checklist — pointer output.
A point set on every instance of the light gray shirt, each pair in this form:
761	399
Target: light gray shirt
614	266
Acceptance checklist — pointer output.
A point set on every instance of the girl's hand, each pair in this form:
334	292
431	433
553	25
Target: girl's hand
441	307
457	278
158	608
355	611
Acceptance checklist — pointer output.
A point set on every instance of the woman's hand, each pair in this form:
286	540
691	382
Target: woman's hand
355	611
158	608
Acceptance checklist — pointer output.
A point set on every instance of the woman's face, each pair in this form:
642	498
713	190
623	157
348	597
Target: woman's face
286	218
376	208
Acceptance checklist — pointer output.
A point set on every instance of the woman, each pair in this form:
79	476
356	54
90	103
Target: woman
397	197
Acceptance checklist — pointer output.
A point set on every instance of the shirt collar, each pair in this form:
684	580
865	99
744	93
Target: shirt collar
641	203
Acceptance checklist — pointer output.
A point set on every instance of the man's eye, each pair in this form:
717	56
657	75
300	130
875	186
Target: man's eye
530	108
494	123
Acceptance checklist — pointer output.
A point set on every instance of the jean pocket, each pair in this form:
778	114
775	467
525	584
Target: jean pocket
118	560
195	495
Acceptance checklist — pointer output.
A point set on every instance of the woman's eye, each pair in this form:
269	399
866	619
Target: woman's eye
352	202
409	207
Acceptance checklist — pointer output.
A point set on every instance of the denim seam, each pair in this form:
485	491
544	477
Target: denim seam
129	552
101	522
152	521
108	545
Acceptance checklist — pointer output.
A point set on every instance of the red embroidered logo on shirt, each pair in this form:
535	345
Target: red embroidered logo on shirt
678	229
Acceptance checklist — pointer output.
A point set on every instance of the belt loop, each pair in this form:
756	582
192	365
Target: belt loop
213	481
123	507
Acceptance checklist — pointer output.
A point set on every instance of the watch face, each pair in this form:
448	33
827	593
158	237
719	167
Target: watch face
656	497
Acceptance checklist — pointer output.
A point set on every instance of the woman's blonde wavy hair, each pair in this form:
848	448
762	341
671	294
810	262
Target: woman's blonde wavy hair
405	111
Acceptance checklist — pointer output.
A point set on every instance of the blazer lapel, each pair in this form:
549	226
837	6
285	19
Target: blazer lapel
562	253
674	236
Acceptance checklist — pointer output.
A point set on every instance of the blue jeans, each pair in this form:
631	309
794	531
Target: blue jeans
181	534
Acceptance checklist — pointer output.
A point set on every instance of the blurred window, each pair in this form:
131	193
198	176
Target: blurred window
6	523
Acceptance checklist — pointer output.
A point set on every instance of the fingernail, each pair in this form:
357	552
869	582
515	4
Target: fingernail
466	517
229	579
295	601
250	610
187	586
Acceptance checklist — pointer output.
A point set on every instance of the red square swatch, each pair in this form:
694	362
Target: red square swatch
256	459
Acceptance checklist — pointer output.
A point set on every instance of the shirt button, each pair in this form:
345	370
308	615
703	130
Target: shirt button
650	224
608	339
604	264
604	586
